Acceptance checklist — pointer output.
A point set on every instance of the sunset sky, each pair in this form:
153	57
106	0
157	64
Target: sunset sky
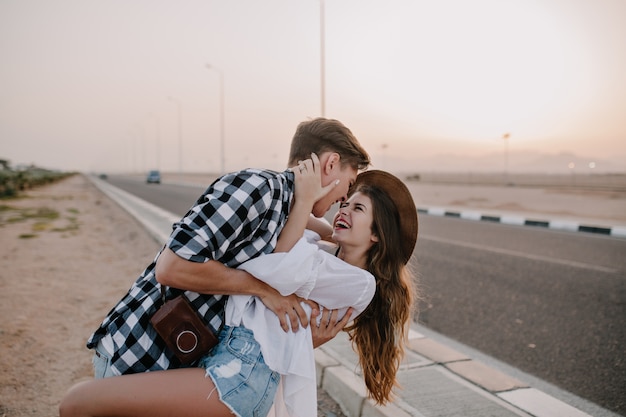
86	85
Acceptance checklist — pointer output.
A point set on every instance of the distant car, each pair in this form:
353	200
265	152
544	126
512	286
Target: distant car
154	176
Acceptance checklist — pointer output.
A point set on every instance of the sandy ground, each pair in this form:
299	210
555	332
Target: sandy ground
68	253
599	206
598	203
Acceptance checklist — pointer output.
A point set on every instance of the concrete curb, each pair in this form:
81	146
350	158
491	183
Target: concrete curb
506	395
517	220
158	222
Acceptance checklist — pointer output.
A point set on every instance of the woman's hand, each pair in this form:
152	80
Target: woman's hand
308	189
308	181
328	326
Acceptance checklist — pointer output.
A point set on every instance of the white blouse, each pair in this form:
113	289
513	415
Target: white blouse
311	272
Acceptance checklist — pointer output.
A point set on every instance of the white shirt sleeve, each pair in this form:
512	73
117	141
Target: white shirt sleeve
312	273
288	272
340	285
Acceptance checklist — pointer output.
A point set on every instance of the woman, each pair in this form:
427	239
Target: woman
376	231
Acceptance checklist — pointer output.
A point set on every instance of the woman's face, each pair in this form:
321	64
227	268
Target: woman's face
352	225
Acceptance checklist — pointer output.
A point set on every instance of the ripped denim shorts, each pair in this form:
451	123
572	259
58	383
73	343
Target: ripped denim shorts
244	382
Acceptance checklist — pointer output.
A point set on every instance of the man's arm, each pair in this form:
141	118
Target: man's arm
213	277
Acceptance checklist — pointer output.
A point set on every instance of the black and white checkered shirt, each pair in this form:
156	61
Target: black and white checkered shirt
237	218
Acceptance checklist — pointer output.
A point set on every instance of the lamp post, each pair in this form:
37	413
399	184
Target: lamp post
221	74
137	132
506	137
384	147
134	149
180	134
322	61
157	131
142	148
572	169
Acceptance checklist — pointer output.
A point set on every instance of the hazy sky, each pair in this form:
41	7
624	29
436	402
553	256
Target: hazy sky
84	84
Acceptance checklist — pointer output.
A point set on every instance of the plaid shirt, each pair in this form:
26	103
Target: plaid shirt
236	219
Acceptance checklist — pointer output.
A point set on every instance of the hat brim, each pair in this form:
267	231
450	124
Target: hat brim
402	199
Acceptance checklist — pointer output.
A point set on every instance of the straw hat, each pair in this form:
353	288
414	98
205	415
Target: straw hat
402	199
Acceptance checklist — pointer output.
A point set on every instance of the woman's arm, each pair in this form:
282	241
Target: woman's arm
314	274
296	267
308	189
321	227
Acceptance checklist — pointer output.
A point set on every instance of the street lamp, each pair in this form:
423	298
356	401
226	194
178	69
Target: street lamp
180	134
221	74
157	131
137	134
322	61
384	147
506	137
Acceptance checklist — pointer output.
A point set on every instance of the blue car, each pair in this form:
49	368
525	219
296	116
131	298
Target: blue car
154	176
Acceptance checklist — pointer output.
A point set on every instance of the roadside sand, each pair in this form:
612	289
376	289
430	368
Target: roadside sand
68	253
58	278
599	203
602	207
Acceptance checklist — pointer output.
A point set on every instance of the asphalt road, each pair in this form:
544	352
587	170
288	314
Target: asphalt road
552	304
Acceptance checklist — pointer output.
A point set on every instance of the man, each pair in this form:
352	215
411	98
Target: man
237	218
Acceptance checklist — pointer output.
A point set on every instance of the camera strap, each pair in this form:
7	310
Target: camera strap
162	294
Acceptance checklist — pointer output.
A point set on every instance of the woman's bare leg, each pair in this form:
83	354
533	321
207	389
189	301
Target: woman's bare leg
177	392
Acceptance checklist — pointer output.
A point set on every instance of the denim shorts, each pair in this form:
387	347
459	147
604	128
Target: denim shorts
243	381
101	362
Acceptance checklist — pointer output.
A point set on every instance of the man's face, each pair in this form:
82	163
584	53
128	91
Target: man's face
346	176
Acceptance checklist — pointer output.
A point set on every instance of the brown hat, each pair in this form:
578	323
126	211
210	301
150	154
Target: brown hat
402	199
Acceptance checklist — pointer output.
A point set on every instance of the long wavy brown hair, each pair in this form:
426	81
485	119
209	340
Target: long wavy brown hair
381	331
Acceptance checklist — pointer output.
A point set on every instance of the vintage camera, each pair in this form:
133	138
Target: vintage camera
182	330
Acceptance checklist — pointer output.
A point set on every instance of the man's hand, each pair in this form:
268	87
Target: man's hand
329	327
288	309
